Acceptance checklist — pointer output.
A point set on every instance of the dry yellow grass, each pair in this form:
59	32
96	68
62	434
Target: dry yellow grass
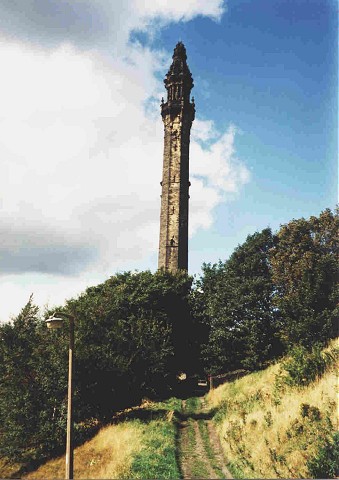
107	455
8	469
263	432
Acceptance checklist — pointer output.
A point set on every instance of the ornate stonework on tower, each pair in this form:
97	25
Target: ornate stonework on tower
177	114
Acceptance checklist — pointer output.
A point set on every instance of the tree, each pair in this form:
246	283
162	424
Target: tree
32	385
238	306
305	271
130	339
130	342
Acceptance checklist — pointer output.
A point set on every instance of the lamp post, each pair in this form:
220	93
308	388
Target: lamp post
53	323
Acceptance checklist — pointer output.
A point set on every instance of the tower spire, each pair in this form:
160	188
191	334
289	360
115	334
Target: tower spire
177	115
178	81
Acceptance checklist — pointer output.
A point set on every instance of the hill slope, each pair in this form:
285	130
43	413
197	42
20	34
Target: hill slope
272	430
267	429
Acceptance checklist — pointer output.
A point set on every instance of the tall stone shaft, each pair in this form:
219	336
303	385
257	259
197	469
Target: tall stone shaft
177	114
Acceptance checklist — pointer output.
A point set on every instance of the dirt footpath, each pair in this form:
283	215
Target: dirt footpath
199	450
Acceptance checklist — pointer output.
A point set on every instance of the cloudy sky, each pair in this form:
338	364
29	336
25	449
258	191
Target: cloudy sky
81	133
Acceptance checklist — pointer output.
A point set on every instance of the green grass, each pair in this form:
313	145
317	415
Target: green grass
198	468
235	470
191	436
172	404
208	447
192	405
157	459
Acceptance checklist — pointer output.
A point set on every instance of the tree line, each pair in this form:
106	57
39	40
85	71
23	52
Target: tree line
137	331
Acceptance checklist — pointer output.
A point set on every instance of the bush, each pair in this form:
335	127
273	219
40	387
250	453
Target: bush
304	366
308	411
325	463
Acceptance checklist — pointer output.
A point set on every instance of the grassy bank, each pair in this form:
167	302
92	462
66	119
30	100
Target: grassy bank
158	456
272	430
141	445
268	429
108	455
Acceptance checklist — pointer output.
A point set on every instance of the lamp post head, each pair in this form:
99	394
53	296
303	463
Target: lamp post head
54	322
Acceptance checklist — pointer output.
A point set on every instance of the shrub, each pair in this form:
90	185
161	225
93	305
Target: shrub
268	418
325	463
313	413
304	366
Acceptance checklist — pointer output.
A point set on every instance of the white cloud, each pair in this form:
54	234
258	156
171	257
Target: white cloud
177	10
82	161
203	131
217	162
79	168
48	291
215	171
96	22
82	158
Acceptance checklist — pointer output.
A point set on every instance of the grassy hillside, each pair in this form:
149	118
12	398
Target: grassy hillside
272	430
108	455
140	445
267	429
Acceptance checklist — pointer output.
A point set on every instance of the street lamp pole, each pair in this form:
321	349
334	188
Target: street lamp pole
69	433
55	322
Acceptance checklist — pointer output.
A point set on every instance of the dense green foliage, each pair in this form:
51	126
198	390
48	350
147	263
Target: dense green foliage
325	463
304	365
237	306
33	382
305	272
137	331
126	347
129	343
274	292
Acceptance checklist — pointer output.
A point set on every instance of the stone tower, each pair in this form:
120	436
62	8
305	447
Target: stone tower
177	114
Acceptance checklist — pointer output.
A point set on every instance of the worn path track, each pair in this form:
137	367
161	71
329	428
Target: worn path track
200	452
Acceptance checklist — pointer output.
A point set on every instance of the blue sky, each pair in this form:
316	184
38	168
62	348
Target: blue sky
82	134
270	68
